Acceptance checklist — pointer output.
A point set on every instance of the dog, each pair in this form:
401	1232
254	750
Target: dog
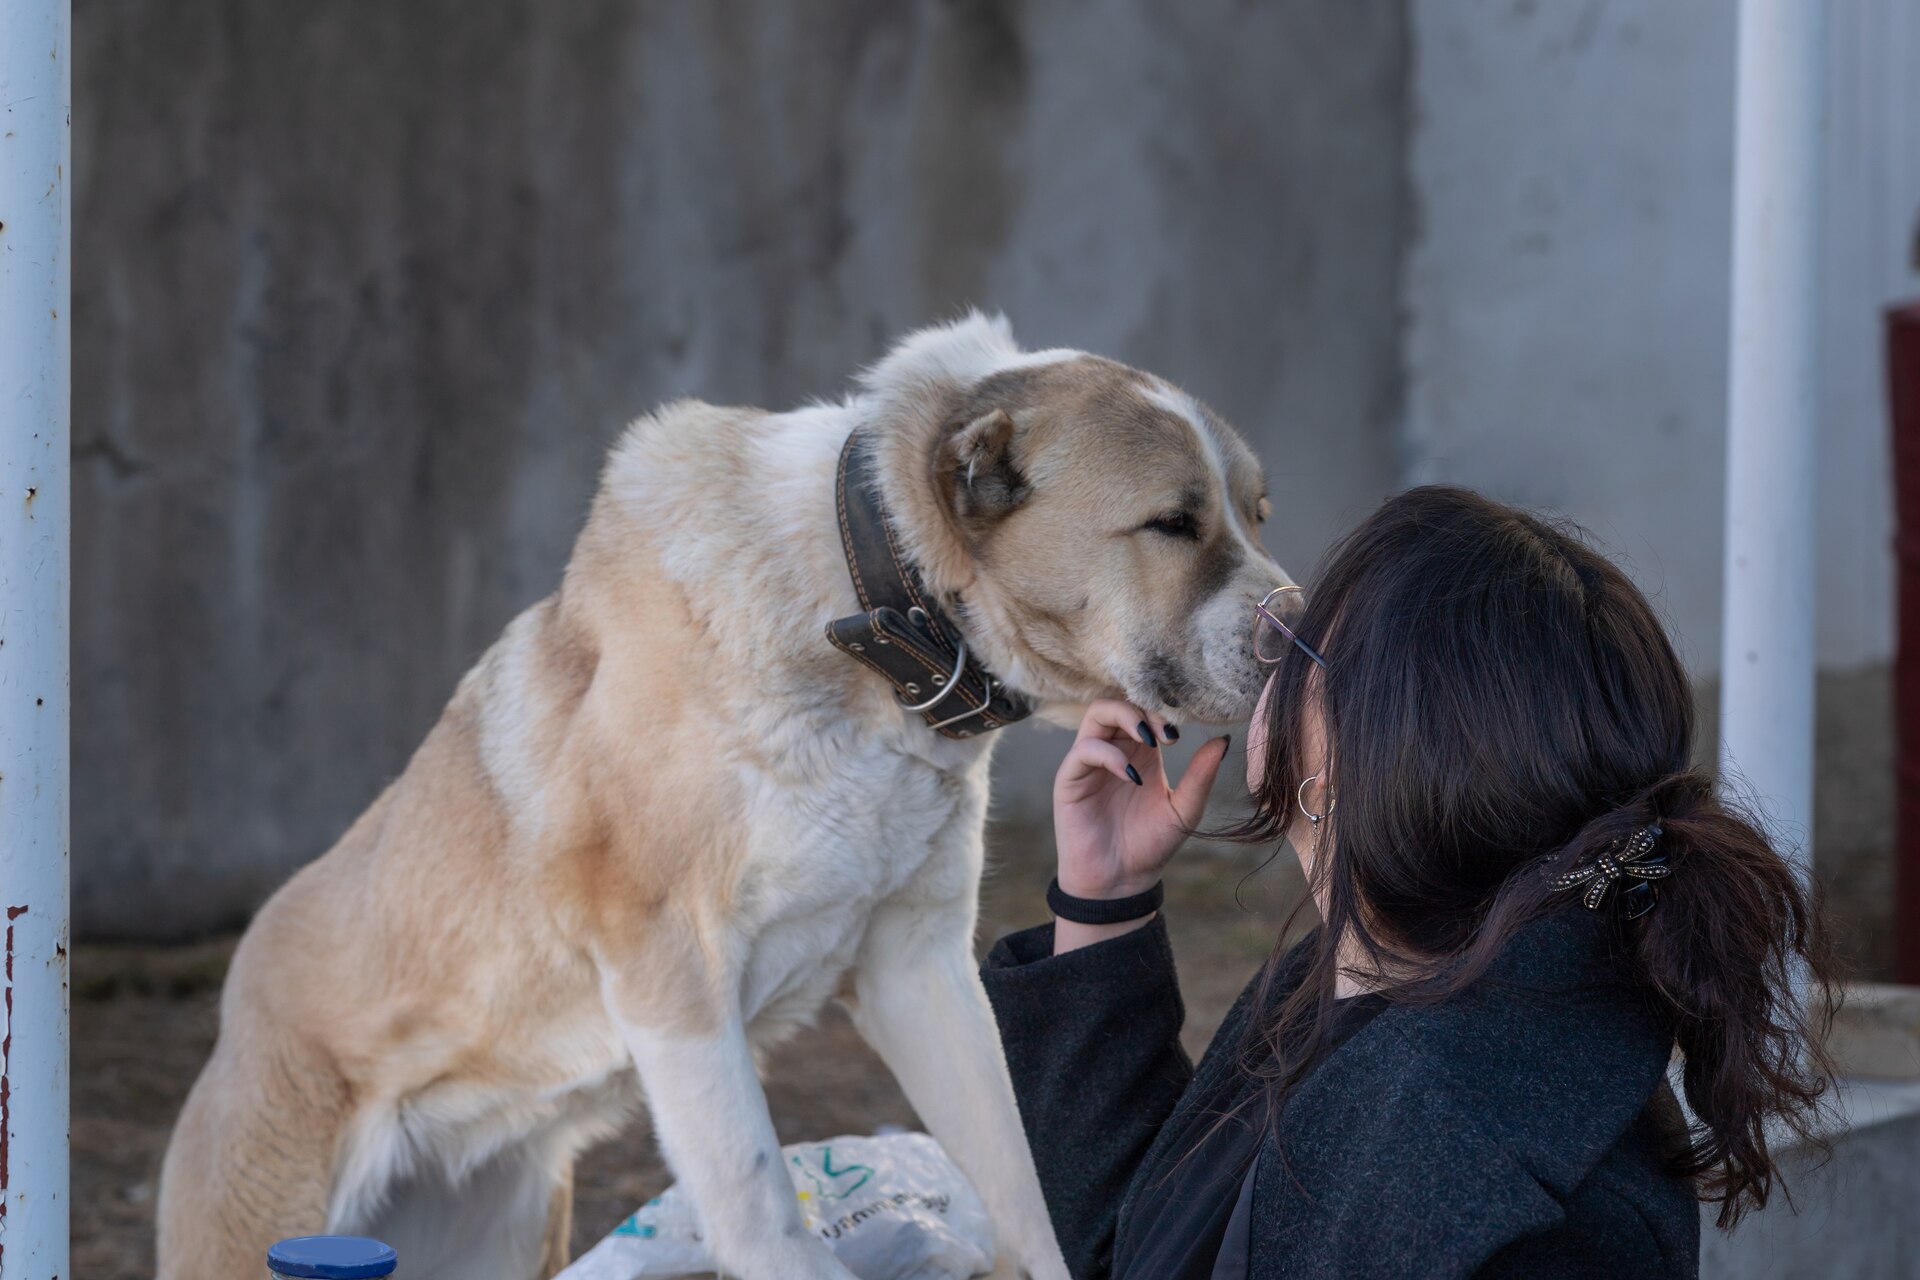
666	817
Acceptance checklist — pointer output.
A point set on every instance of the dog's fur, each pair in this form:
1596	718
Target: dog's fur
662	822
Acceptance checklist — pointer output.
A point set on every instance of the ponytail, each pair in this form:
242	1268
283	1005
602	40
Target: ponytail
1733	953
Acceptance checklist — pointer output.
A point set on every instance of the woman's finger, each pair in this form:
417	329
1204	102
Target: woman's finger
1110	718
1090	757
1190	797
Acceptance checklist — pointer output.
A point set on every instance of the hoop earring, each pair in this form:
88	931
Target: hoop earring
1300	802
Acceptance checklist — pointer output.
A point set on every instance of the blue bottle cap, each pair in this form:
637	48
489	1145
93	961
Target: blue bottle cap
332	1258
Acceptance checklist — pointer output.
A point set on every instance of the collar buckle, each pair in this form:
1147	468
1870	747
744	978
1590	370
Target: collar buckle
902	634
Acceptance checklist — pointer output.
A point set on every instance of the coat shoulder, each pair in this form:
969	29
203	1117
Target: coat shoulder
1506	1117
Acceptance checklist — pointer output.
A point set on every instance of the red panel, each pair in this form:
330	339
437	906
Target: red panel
1903	386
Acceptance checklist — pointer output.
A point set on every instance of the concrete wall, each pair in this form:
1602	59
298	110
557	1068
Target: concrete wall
1566	286
1851	1211
363	292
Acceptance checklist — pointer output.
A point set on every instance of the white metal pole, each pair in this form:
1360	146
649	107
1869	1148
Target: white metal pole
1767	648
35	241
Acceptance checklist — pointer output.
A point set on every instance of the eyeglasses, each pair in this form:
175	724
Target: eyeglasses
1272	636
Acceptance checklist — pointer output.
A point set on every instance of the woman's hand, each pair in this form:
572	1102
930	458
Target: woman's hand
1116	822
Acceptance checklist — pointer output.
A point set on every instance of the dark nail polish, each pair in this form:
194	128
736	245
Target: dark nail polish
1228	739
1135	775
1146	734
1173	733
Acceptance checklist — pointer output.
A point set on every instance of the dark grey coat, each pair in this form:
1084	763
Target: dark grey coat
1513	1131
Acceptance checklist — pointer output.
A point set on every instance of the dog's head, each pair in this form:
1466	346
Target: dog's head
1095	528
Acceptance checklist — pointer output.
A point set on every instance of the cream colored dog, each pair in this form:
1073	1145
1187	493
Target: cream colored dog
663	821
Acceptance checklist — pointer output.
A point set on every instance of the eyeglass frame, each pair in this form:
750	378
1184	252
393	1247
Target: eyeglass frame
1262	613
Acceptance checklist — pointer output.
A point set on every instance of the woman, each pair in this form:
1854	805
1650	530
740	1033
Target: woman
1477	740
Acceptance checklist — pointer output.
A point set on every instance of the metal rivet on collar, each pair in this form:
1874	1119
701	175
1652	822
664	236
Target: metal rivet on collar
911	687
856	646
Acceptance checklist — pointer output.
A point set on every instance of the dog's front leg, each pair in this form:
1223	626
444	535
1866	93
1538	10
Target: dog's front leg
711	1117
919	1003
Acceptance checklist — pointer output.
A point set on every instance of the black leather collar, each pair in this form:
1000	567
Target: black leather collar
902	633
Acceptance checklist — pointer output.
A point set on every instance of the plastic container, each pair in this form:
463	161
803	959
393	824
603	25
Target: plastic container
330	1258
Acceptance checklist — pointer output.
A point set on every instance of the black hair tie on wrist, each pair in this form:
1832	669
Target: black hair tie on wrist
1104	910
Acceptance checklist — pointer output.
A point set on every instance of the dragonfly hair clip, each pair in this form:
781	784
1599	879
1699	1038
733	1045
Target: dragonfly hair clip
1631	859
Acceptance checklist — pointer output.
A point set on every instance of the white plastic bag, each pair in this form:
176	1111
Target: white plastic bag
891	1207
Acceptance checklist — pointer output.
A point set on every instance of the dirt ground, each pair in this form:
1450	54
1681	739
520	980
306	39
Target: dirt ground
144	1020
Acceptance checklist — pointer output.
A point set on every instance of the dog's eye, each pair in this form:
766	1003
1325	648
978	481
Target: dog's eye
1177	525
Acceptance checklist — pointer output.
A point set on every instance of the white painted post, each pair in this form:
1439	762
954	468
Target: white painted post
1767	648
35	242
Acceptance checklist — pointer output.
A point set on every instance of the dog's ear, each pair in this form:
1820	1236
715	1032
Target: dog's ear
977	470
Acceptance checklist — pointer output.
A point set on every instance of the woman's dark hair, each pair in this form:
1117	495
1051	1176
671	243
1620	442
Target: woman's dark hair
1502	704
